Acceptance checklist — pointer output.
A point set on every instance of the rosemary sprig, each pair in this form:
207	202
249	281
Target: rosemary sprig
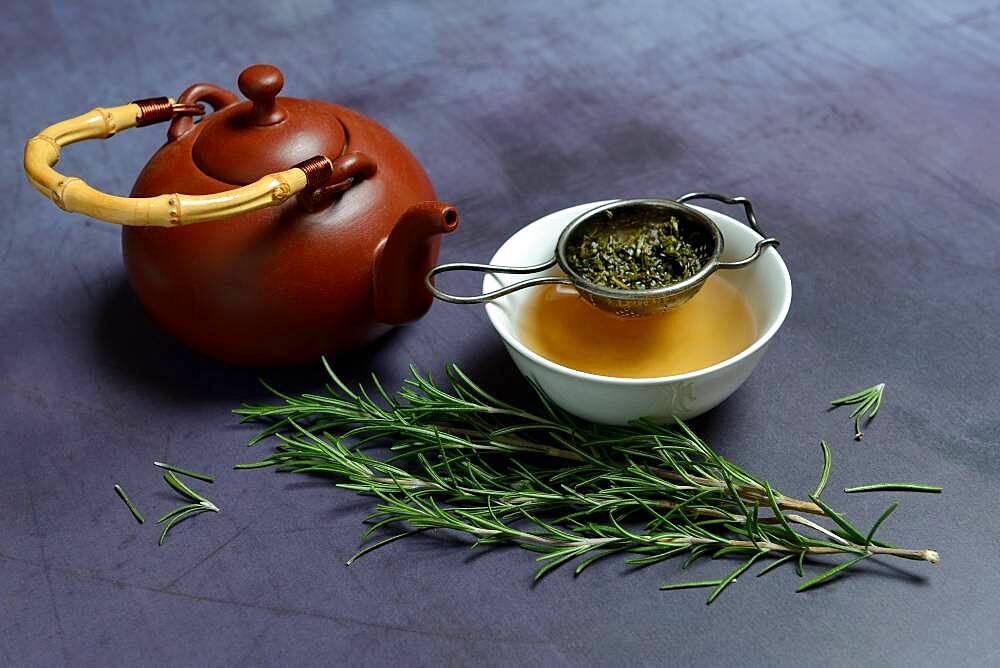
128	502
199	505
462	460
895	487
868	400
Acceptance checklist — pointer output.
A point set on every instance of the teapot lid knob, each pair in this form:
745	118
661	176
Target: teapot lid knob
261	84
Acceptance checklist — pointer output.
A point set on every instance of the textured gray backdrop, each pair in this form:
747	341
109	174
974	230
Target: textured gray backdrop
865	132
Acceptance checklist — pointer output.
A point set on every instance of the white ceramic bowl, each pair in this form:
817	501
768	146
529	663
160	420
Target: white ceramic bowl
765	285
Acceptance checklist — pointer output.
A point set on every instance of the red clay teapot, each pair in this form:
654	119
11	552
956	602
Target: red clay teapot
270	232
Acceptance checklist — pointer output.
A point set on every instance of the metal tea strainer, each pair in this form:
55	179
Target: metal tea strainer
695	227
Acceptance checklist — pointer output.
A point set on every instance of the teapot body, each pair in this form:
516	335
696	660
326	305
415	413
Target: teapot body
280	285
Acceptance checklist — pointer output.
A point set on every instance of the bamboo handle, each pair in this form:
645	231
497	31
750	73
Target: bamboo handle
72	194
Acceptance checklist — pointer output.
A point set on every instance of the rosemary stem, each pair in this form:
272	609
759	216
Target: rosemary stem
930	556
748	493
415	484
535	539
788	503
526	537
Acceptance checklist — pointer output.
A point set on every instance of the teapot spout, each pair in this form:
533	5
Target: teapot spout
404	258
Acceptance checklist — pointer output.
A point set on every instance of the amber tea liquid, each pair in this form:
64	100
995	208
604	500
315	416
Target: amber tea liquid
562	327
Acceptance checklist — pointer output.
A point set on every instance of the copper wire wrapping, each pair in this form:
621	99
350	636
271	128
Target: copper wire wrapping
154	110
317	170
158	109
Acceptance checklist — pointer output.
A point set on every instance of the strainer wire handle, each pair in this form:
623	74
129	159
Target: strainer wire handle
751	221
494	269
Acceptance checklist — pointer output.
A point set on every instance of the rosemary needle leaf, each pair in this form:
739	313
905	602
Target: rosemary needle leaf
656	558
178	510
895	487
600	555
725	582
851	532
181	488
264	463
827	464
780	515
691	585
180	517
128	502
557	561
871	532
878	402
695	554
182	471
858	396
739	549
775	564
823	577
378	544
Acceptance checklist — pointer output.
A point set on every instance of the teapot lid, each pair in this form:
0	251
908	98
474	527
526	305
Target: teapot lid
243	142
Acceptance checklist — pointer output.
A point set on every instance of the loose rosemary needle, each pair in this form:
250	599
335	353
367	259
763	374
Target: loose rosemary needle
199	505
895	487
868	400
128	502
827	464
187	472
571	491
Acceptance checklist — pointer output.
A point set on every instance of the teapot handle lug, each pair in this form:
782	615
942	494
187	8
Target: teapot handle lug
215	96
347	171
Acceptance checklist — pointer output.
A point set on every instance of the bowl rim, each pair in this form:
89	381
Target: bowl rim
494	311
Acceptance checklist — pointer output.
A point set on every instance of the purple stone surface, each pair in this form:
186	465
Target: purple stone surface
867	137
